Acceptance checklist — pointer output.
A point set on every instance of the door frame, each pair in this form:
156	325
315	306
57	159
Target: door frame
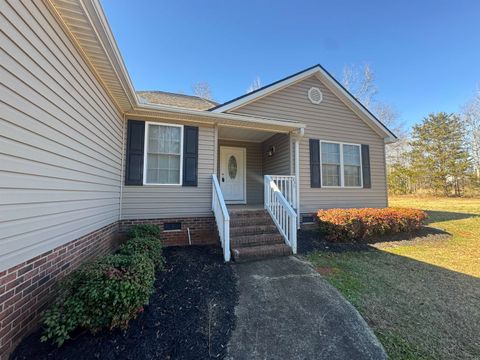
244	149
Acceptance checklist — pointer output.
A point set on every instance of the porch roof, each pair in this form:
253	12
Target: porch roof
154	111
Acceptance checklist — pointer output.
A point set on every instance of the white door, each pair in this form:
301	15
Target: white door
232	173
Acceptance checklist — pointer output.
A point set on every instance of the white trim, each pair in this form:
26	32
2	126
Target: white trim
342	172
244	201
215	149
329	81
145	145
267	91
297	178
122	176
220	118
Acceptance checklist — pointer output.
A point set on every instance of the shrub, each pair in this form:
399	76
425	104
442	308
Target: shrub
148	246
343	225
143	230
106	293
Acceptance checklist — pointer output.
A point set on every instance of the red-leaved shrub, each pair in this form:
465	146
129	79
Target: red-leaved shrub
346	225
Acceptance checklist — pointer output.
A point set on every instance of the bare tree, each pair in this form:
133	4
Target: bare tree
471	116
256	84
202	90
360	81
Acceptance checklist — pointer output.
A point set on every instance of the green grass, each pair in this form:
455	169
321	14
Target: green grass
422	300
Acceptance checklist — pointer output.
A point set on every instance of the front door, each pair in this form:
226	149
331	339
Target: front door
232	174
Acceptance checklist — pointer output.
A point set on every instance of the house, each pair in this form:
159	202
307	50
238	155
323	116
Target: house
83	156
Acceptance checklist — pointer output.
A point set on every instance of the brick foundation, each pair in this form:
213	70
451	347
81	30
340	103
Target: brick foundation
27	288
311	225
203	230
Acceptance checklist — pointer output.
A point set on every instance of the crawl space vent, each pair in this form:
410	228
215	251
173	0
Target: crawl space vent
315	95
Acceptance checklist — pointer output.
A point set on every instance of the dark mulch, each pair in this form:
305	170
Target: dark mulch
313	240
190	316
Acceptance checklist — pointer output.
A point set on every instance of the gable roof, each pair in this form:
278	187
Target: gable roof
329	81
178	100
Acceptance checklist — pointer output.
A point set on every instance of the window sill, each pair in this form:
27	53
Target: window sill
149	184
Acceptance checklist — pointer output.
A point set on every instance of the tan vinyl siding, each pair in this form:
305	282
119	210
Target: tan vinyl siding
60	138
254	168
279	163
330	120
173	201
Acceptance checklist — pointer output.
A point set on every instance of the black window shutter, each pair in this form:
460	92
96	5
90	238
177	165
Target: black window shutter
190	156
135	148
315	181
367	181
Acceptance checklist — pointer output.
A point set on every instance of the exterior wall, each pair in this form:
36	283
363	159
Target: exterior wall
60	139
279	163
254	168
175	201
330	120
203	230
27	288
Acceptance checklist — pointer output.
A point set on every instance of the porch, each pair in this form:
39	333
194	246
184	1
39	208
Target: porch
255	195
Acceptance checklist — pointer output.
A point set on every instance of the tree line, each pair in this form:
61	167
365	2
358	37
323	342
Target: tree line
440	155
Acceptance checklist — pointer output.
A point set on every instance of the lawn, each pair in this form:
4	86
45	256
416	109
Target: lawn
422	299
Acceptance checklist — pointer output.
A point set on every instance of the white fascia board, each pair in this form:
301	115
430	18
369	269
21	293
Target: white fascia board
216	118
267	91
330	82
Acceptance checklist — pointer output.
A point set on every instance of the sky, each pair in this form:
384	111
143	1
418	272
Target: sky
425	54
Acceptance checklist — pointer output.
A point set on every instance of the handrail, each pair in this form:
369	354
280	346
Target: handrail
222	217
287	184
282	213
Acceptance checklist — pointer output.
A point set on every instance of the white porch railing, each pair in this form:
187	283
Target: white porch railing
282	213
221	217
287	184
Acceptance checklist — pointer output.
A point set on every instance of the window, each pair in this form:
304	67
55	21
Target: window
341	165
330	164
163	154
351	165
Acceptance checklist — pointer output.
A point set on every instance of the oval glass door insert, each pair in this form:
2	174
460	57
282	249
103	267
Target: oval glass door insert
232	167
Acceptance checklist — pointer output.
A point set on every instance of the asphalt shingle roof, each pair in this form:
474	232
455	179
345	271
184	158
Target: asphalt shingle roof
178	100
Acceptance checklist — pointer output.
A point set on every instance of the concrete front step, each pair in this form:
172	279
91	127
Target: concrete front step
251	253
258	239
253	230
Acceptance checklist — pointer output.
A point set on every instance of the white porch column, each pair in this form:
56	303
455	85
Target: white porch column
297	179
296	148
215	149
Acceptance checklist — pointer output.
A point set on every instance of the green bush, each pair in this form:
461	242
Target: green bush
143	230
106	293
148	246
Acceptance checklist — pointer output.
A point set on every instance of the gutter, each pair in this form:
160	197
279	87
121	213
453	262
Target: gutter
213	118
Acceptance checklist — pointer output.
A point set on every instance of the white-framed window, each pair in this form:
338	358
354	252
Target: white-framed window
163	155
341	164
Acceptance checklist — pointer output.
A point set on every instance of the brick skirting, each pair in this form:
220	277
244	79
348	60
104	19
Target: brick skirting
27	288
203	230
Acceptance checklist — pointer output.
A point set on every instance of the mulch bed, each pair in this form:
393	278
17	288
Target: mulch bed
312	240
190	316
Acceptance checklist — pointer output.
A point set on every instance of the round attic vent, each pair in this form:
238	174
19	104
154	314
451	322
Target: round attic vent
315	95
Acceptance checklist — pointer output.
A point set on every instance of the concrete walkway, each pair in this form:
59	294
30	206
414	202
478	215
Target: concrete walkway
286	310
